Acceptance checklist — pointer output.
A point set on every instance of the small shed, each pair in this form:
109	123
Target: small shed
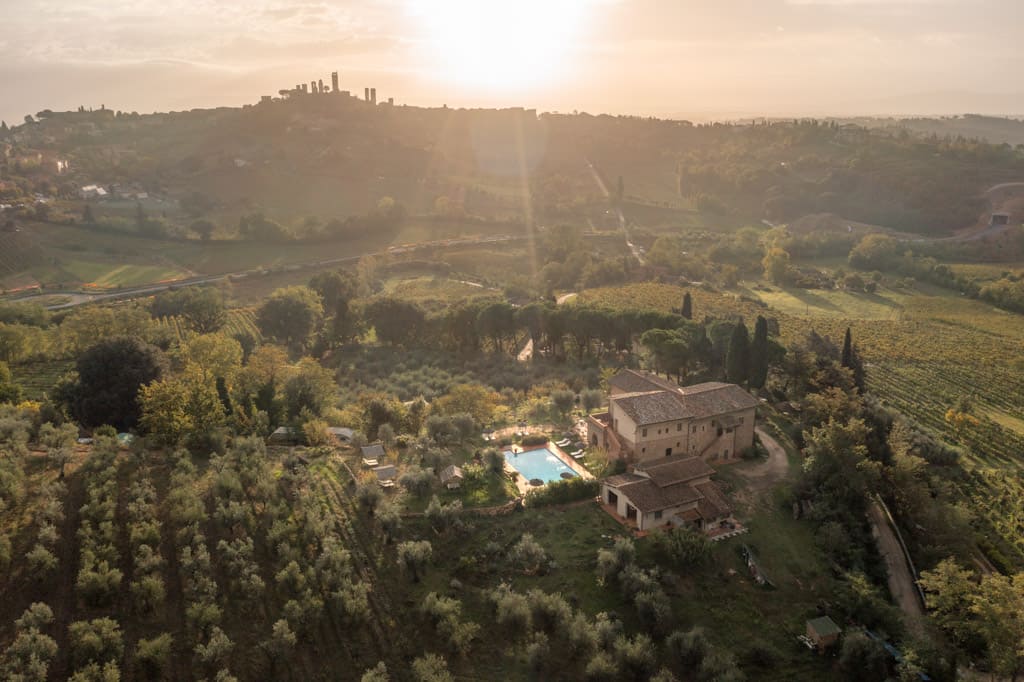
823	632
451	477
373	454
386	475
284	435
340	434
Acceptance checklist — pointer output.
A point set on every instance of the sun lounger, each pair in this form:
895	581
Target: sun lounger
370	462
577	454
562	443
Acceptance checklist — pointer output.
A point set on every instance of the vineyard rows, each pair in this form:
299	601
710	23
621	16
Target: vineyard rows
242	322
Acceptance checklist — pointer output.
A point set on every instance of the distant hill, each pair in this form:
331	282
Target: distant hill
312	159
993	129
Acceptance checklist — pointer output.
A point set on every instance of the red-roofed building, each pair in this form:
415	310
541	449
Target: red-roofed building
675	490
649	417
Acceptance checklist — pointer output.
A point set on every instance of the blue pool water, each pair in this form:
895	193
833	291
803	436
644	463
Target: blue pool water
540	463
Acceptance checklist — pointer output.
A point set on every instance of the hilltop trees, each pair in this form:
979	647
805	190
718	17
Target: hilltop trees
10	392
397	322
202	308
337	289
290	316
776	265
110	375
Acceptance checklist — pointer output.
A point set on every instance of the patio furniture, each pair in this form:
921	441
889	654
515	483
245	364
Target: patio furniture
577	454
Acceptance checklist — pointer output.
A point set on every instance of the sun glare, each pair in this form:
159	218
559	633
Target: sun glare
499	44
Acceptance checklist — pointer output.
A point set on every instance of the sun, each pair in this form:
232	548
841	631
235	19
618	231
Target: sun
498	44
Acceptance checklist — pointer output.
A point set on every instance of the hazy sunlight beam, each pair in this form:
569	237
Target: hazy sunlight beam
498	44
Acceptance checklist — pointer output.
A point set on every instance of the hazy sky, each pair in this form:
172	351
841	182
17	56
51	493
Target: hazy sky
685	57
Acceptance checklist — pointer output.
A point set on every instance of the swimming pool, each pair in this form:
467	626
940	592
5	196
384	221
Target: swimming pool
540	463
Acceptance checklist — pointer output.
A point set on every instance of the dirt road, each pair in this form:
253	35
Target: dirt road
764	475
527	352
901	582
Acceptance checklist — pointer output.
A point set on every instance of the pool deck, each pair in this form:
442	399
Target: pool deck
524	486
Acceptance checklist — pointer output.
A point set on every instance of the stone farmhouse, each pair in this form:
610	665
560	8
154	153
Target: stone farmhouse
675	490
650	418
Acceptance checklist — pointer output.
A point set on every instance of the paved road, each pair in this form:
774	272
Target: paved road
901	582
633	248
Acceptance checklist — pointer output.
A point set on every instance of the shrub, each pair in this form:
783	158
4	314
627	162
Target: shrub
378	673
97	640
528	555
417	481
216	649
512	610
443	516
431	668
154	653
682	546
532	439
561	492
688	649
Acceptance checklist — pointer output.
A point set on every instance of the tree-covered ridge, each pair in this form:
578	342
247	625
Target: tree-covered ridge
458	164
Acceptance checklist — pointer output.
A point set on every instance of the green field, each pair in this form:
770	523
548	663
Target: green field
71	257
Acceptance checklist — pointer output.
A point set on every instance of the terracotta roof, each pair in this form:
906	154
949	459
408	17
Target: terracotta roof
689	515
699	401
714	497
648	497
652	407
668	482
631	381
373	451
675	469
451	471
715	397
622	479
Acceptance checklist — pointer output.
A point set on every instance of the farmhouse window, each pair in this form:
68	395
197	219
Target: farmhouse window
657	515
644	433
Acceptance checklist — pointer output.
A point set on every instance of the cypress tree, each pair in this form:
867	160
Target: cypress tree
3	126
847	357
759	354
140	216
687	310
851	360
737	359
